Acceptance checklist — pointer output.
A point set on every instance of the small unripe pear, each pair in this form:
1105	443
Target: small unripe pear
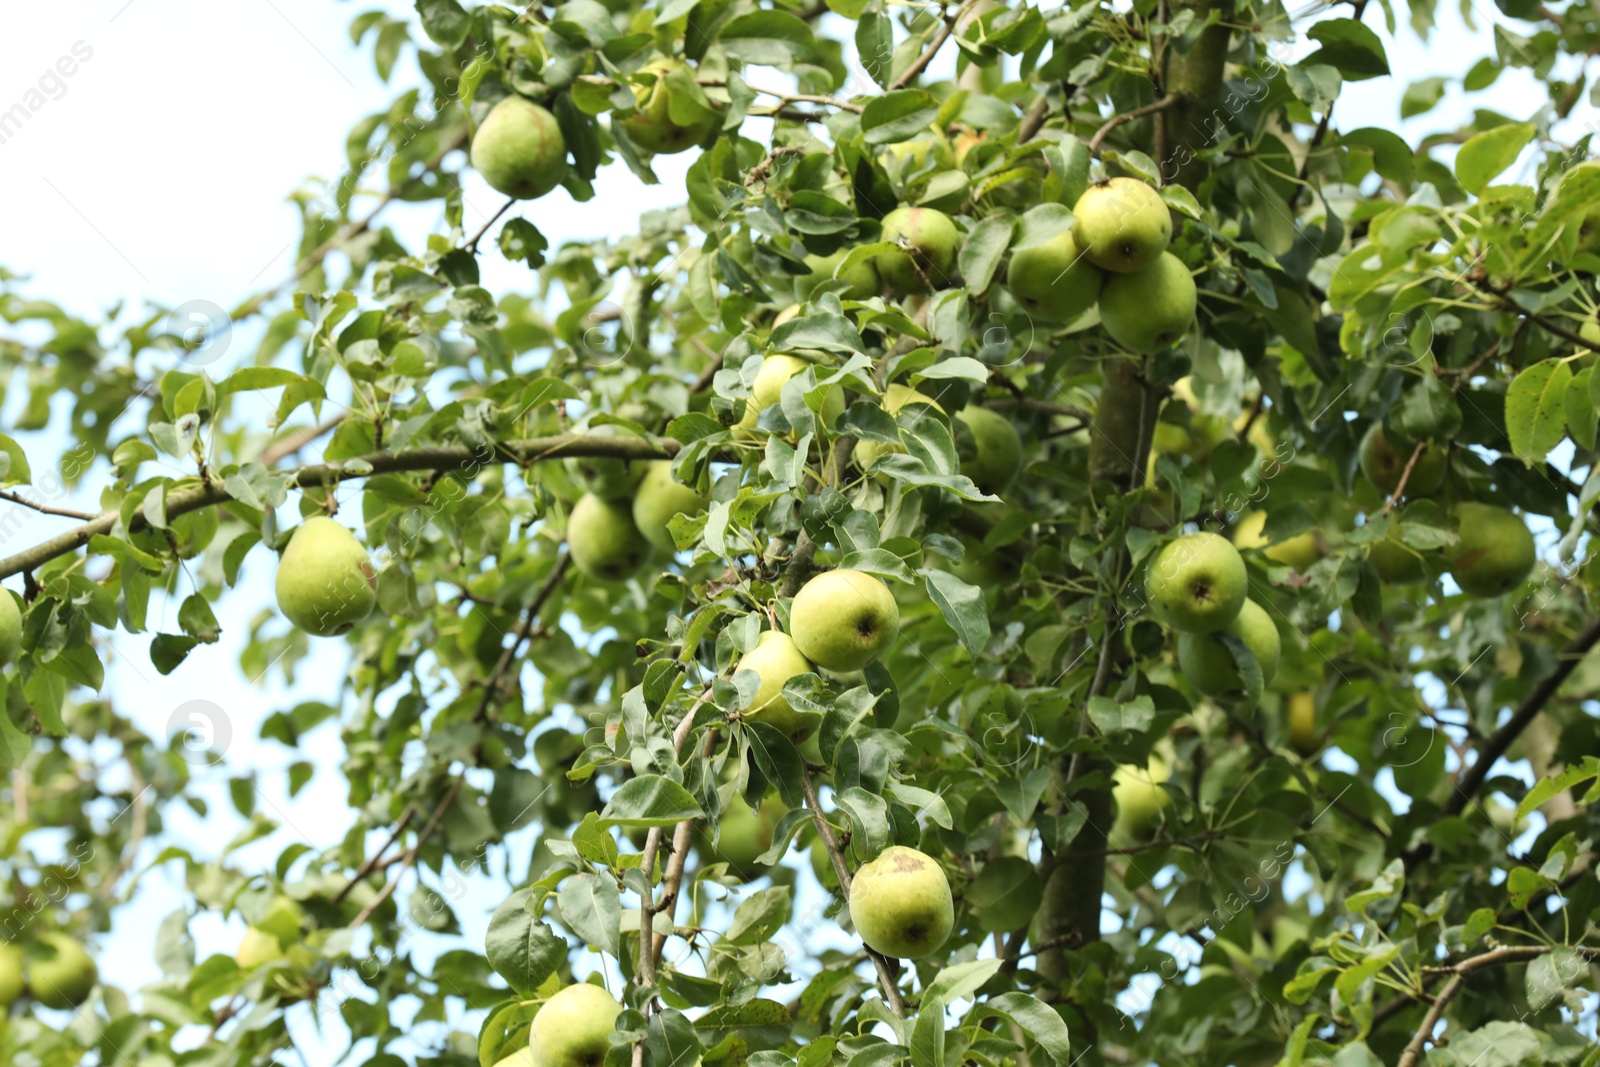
1299	552
519	149
927	243
1197	584
604	542
65	975
998	458
1140	799
1495	553
1303	732
325	582
901	905
1122	225
775	660
659	498
767	389
651	127
862	277
1384	464
1208	663
842	620
574	1027
1054	281
12	985
743	835
1396	563
895	397
10	628
1151	308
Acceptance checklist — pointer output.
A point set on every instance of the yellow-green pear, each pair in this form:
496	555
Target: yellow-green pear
651	127
1383	464
744	834
1197	584
63	975
1304	736
900	904
1208	662
10	628
658	499
998	458
325	582
862	277
1122	224
1054	281
523	1057
1151	308
775	660
574	1027
1140	799
767	389
1396	563
519	149
257	949
926	243
604	542
1299	552
12	984
843	619
1495	553
895	397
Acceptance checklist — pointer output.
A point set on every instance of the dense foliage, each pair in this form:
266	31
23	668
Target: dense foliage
851	353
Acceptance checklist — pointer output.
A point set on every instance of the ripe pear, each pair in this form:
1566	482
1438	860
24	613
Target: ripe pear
1140	799
64	975
1383	464
1299	552
10	628
927	242
901	905
1303	733
325	582
658	499
651	126
842	620
1396	563
775	660
604	542
1054	281
914	155
862	277
1208	663
895	397
767	389
998	459
12	985
574	1027
1122	224
1197	584
523	1057
1151	308
519	149
1495	553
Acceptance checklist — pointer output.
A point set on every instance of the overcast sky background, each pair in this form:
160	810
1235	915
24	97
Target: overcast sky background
160	175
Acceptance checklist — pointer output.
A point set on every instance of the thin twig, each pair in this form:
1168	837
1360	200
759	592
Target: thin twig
44	509
297	440
920	64
1405	476
373	861
472	245
1128	116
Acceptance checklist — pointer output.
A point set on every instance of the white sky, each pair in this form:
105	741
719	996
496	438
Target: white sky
160	174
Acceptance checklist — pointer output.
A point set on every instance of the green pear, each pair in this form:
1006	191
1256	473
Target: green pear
519	149
257	949
1299	552
1122	224
862	277
1208	663
895	397
659	498
998	459
1304	736
927	241
788	314
913	156
325	582
651	127
574	1027
1054	281
523	1057
743	834
900	904
1140	799
767	389
843	619
1495	553
1383	464
1151	308
12	985
1197	584
775	660
604	542
10	628
1396	563
63	976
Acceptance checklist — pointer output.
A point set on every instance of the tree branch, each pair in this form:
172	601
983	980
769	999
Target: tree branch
1127	116
43	509
288	446
920	64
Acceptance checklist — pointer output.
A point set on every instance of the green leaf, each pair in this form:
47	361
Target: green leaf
1536	409
1006	894
963	608
960	981
17	472
927	1034
983	250
1545	788
1487	154
445	21
650	800
521	948
1036	1018
1421	96
898	116
1349	45
591	907
767	38
1581	415
1391	157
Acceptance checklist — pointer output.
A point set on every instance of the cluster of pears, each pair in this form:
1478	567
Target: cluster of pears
1197	586
621	521
57	971
1495	552
1115	255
